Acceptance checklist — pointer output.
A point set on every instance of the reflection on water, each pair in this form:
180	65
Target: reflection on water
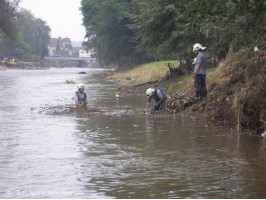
115	155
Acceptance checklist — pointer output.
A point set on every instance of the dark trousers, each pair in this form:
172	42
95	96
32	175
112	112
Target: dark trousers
200	85
161	106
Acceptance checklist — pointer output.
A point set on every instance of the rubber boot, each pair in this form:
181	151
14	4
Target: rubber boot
198	95
204	93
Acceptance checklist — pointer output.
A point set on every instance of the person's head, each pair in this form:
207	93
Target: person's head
81	87
149	92
198	48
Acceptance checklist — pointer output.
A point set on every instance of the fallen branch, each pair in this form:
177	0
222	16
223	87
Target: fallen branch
140	84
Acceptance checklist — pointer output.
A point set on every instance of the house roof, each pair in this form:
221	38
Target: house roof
66	40
53	41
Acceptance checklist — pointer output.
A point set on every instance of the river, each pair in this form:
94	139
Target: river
114	154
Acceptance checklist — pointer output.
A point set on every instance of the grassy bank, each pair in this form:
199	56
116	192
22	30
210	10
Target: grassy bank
237	95
155	71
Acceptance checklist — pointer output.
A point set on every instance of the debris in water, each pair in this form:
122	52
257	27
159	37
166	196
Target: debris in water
70	82
67	110
117	95
71	109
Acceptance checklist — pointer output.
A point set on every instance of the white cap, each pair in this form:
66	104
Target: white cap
81	86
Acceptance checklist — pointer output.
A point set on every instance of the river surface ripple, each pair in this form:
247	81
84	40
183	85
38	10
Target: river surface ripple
115	155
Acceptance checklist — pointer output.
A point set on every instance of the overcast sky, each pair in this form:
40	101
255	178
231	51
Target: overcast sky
63	16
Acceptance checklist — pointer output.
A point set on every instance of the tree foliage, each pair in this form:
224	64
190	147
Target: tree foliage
30	40
161	28
106	23
167	29
35	32
237	23
7	18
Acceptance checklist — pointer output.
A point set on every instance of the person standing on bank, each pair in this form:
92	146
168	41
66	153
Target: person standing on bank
159	96
81	96
200	71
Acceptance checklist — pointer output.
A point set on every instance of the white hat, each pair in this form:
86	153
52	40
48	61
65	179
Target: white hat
149	91
81	86
198	46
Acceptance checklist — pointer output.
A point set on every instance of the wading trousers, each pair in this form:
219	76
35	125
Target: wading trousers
200	85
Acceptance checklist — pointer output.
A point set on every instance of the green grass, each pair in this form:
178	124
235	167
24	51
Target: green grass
143	73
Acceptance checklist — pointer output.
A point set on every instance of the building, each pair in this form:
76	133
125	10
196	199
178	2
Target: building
86	53
75	51
64	43
66	48
52	46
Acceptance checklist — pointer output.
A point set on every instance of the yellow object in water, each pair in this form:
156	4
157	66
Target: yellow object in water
12	62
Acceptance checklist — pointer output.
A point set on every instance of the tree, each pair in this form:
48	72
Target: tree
107	31
7	18
35	32
229	23
16	48
31	38
58	47
167	29
162	28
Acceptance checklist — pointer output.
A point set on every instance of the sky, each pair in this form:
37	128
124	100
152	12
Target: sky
63	16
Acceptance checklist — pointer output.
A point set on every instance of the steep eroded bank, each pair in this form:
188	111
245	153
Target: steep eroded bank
236	89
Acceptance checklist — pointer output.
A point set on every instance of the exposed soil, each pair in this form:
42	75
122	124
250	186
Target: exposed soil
25	65
236	92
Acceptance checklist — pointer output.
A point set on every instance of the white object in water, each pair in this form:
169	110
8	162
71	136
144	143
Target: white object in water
117	94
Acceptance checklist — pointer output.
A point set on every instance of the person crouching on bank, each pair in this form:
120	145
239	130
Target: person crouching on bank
159	96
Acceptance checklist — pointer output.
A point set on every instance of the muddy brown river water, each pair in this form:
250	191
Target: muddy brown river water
115	154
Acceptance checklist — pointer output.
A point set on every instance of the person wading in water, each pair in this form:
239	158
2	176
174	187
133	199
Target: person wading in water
81	96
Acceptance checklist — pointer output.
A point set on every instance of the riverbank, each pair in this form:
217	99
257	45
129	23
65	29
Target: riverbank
236	89
25	65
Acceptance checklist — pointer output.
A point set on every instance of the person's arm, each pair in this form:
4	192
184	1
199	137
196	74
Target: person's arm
76	99
148	102
197	68
160	101
77	102
147	105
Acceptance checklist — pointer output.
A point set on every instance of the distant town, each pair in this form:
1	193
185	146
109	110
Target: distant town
64	47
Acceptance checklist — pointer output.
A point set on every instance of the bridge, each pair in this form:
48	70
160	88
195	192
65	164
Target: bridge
69	59
82	62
